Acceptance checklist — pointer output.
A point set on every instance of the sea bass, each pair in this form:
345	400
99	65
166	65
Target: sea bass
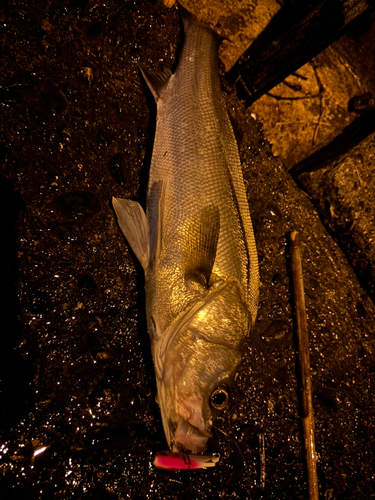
195	243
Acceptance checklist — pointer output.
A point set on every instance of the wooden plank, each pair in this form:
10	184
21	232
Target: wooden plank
293	37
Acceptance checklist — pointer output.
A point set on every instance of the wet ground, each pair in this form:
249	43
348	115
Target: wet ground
78	417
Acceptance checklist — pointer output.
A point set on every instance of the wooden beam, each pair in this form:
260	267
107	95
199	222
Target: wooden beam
293	37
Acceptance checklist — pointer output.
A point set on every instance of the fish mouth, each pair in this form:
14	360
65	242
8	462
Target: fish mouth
188	437
191	433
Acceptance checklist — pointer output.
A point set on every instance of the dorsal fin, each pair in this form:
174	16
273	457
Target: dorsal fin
202	236
156	80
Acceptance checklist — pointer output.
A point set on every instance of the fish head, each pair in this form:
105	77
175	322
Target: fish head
200	361
199	393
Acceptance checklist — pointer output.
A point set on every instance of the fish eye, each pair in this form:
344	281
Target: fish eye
220	398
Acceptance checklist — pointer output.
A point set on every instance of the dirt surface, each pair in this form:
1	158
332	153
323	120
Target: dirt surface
343	192
78	416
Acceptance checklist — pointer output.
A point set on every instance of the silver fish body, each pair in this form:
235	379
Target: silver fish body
196	244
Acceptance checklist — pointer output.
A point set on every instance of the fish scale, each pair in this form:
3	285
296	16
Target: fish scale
195	243
196	152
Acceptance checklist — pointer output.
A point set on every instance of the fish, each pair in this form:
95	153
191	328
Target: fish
195	242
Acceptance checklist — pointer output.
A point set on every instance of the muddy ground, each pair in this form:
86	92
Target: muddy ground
78	416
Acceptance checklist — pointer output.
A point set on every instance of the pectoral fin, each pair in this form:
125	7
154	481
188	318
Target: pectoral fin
157	194
134	224
202	236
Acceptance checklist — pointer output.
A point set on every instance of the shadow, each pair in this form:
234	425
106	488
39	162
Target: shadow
352	135
151	104
15	370
142	197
